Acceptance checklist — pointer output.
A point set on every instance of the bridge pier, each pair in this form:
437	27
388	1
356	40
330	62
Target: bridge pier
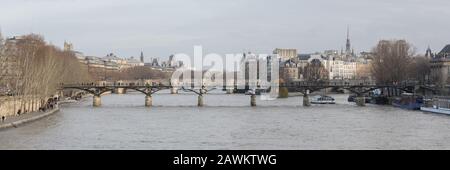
229	91
97	101
148	101
119	90
360	100
200	101
306	101
173	90
253	100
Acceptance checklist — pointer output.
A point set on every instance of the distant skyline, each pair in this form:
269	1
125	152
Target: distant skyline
160	28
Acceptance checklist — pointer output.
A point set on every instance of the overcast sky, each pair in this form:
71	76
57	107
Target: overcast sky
163	27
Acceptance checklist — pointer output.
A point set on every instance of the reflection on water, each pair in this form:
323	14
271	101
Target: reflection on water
227	122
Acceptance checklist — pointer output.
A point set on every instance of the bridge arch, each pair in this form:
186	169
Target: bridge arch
148	91
91	90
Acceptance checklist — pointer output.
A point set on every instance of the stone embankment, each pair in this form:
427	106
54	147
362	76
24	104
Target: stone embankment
15	121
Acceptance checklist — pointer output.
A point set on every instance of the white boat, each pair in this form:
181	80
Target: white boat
323	100
437	105
250	92
267	97
436	110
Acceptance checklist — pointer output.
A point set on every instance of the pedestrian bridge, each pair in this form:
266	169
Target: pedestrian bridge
360	88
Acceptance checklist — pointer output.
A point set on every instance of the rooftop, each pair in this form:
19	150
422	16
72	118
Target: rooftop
112	57
304	56
445	50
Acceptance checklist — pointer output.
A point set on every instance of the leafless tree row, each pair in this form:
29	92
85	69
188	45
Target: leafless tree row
315	72
32	70
395	62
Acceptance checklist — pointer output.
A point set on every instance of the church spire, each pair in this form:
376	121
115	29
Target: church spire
348	32
142	57
429	54
348	45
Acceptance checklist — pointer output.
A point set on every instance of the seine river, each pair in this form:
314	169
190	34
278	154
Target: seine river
227	122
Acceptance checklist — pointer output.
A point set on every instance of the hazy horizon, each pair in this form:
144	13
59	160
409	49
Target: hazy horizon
163	27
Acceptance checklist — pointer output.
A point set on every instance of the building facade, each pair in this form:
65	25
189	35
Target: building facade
340	69
440	66
336	66
285	54
290	70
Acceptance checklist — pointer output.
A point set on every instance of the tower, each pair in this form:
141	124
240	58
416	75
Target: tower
68	46
142	57
1	36
429	54
348	46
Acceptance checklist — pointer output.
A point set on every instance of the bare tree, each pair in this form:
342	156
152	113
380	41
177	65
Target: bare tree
39	68
315	72
4	65
391	61
420	69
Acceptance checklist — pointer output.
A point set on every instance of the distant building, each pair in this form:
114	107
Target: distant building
440	66
154	62
80	57
348	46
132	62
349	53
445	53
109	62
366	55
11	43
429	54
363	66
285	54
304	60
166	66
113	58
68	46
337	68
9	63
172	62
94	62
270	60
290	70
331	52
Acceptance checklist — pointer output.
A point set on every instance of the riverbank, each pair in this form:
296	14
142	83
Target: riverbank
15	121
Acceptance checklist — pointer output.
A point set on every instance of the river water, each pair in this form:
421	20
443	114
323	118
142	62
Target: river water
227	122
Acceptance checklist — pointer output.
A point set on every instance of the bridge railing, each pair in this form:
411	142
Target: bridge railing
335	83
328	83
346	83
108	84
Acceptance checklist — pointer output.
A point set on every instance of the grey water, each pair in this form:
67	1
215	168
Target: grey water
228	122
